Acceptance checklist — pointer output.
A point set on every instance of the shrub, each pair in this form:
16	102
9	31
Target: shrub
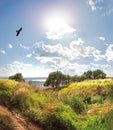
74	102
5	96
21	98
63	118
21	102
35	115
96	99
87	99
95	123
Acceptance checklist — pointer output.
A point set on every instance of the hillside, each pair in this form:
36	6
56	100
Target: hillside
17	122
86	105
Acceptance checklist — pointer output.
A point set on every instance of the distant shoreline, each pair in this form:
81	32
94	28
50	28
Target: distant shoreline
37	81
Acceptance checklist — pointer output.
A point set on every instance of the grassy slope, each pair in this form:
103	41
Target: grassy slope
80	106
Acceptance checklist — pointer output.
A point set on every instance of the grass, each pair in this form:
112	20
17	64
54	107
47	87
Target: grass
80	106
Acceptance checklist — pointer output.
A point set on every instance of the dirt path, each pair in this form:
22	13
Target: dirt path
18	121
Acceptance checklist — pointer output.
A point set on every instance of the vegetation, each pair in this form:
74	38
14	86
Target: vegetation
86	105
17	77
58	79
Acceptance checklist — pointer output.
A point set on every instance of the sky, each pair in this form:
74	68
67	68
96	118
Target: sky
71	36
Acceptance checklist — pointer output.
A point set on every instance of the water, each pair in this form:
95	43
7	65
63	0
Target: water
38	81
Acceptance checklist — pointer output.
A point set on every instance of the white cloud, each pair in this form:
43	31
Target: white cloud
95	5
100	66
10	46
24	47
102	38
107	68
3	52
14	67
92	5
91	51
27	70
109	53
59	31
53	60
29	55
75	50
64	58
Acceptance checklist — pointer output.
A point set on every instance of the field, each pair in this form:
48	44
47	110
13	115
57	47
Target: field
86	105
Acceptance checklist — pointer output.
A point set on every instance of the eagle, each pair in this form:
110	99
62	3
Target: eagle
18	31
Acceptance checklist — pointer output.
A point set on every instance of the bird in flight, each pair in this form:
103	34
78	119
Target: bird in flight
18	31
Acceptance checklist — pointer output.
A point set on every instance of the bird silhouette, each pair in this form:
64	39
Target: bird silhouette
18	31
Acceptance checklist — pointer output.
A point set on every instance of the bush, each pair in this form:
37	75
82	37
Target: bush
87	99
95	123
21	102
74	102
35	115
96	99
5	96
63	118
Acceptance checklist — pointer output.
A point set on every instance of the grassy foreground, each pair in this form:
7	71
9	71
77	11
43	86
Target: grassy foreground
86	105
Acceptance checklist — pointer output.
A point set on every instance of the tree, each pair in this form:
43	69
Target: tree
17	77
55	79
88	74
99	74
96	74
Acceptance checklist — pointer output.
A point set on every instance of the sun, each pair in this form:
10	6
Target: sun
55	23
56	26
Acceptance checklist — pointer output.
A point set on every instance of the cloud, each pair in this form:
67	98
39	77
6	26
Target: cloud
91	3
104	9
58	32
43	59
13	68
10	46
109	53
26	69
58	54
2	52
96	5
102	38
29	55
24	47
16	65
105	67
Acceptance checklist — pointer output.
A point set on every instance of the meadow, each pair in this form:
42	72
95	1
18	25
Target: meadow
86	105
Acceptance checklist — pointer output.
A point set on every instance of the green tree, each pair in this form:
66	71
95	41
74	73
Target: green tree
88	75
99	74
96	74
55	79
17	77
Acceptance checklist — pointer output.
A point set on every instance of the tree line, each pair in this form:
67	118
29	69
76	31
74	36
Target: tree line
58	79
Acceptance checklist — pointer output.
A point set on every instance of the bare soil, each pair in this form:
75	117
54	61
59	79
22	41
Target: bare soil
19	121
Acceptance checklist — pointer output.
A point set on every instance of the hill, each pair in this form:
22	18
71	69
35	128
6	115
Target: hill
86	105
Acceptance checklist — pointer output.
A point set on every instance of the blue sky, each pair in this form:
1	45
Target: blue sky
71	36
